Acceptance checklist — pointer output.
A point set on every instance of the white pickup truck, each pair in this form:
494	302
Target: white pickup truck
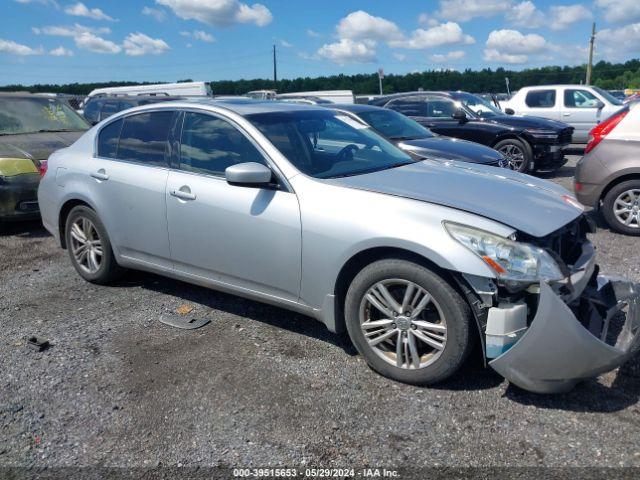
581	106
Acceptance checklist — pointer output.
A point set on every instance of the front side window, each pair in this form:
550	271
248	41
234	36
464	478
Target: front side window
92	110
210	145
541	98
478	105
394	125
38	114
412	106
144	138
580	99
324	144
441	108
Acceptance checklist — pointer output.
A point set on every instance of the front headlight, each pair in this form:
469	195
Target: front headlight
510	260
543	134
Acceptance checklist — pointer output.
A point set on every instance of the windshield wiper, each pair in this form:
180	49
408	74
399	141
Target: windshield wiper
54	130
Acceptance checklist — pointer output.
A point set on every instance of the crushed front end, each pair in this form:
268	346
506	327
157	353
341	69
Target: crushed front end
570	329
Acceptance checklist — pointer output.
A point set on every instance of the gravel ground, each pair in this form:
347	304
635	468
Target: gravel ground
260	386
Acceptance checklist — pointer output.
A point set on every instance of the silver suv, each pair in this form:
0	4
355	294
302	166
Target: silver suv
305	208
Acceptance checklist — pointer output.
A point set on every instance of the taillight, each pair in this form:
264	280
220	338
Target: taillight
42	168
600	131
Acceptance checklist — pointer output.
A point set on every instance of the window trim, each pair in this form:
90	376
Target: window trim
555	98
282	185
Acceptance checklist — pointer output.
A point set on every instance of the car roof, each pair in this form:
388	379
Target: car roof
353	107
241	105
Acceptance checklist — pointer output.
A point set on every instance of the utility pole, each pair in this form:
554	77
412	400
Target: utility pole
380	77
591	42
275	72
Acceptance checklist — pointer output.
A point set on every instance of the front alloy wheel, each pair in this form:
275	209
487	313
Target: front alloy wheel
513	157
403	324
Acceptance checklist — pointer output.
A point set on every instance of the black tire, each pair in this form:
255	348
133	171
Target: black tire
108	270
455	310
608	208
514	143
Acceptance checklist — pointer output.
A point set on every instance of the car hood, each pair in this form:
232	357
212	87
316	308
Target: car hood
37	146
452	149
528	204
527	122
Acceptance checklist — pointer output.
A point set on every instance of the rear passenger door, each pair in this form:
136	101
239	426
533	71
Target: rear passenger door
129	178
542	103
242	236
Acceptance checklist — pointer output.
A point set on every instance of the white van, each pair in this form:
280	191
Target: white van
334	96
581	106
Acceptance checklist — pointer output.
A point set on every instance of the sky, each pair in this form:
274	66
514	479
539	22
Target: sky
66	41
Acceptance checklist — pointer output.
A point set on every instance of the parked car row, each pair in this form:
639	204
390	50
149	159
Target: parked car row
311	209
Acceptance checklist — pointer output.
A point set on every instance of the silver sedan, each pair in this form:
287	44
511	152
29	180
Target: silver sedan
305	208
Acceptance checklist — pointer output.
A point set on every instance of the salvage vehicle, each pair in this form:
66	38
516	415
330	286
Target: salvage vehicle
581	106
31	128
98	108
528	143
413	258
608	175
415	139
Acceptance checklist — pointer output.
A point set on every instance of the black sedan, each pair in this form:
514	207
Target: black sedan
416	139
529	143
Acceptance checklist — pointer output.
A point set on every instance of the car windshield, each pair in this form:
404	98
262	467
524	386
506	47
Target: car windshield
478	105
323	144
610	98
394	125
37	114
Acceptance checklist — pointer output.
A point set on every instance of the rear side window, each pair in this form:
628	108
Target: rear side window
541	98
210	145
92	110
410	106
108	140
109	108
144	138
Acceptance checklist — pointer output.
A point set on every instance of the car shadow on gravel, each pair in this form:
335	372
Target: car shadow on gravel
239	306
31	229
590	396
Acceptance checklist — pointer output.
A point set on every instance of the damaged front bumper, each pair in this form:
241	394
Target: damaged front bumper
595	332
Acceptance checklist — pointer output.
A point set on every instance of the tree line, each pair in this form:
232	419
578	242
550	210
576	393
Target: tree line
605	74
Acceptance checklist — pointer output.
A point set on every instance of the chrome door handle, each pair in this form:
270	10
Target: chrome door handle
100	175
182	195
566	114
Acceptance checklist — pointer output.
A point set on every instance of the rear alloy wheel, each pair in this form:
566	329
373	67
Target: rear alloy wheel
517	155
407	322
621	207
89	246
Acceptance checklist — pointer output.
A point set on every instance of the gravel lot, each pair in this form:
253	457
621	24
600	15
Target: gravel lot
260	386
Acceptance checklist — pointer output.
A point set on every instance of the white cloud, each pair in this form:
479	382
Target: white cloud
525	15
285	44
81	10
511	46
13	48
348	51
465	10
136	44
427	20
362	26
447	57
203	36
93	43
312	33
61	52
448	33
619	40
219	12
72	31
493	55
53	3
563	16
401	57
620	11
159	15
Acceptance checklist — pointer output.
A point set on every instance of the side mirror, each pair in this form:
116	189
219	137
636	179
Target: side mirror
509	111
459	115
600	105
249	174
